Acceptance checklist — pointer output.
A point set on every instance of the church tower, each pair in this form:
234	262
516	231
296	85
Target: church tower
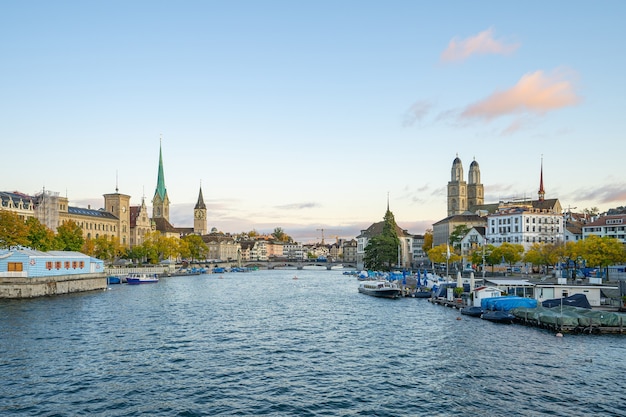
457	189
542	192
160	201
199	216
475	189
119	205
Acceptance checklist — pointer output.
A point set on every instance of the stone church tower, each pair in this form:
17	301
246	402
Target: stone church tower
160	201
199	216
457	189
475	189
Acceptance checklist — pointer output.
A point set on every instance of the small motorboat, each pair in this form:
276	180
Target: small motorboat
498	316
114	280
134	279
384	289
472	311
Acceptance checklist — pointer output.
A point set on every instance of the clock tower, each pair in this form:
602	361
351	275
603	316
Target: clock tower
199	216
119	205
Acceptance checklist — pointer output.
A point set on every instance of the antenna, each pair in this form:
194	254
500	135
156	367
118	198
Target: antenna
116	181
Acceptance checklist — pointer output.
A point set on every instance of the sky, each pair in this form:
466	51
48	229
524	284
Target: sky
313	115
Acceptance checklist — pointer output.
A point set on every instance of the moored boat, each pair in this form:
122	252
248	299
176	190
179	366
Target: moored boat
134	279
384	289
498	316
472	311
114	280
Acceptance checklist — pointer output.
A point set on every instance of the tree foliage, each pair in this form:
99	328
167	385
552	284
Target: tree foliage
381	252
459	232
13	230
69	237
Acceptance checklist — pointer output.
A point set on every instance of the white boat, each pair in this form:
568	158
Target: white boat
383	289
134	279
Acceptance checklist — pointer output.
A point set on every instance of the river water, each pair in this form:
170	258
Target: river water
264	343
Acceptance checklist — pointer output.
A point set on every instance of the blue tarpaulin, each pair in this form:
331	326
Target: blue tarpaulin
507	303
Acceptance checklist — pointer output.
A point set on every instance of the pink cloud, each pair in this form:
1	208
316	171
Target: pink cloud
534	93
481	44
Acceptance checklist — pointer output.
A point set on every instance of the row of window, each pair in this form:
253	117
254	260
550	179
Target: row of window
534	229
66	264
516	239
546	220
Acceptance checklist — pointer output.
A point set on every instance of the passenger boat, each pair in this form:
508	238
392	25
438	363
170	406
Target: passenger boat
134	279
384	289
498	316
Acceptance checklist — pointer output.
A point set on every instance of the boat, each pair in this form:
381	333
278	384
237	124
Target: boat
114	280
134	279
472	311
498	316
422	294
384	289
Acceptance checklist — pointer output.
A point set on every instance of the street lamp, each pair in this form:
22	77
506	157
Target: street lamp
484	244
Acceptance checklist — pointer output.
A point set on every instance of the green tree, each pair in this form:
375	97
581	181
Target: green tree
106	248
280	235
542	254
39	236
13	230
69	237
459	232
381	252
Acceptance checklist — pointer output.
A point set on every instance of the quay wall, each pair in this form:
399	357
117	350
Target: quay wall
23	287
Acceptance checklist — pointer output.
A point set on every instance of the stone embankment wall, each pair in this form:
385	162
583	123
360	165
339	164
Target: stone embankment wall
22	287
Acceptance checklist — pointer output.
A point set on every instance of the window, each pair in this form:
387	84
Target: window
15	267
48	265
67	264
57	264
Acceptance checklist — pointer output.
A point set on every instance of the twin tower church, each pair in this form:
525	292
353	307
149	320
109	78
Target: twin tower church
463	196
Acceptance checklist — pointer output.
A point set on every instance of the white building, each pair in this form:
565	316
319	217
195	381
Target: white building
607	226
525	223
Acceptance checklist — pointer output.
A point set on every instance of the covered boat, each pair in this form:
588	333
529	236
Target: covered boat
472	311
507	303
384	289
576	300
498	317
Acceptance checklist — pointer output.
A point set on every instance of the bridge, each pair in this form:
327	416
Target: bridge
297	264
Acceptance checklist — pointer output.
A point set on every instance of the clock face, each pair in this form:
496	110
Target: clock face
200	214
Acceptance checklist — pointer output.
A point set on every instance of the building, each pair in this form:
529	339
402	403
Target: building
525	223
607	226
140	224
199	216
349	251
405	255
443	228
462	196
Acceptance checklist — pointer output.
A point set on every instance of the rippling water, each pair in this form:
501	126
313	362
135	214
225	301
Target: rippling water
262	343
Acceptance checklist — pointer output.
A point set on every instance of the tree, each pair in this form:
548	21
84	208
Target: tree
13	230
280	235
439	254
194	246
459	232
603	251
381	252
39	236
69	237
428	240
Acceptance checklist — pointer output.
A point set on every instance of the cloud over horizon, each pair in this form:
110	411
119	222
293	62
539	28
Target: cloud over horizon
535	93
481	44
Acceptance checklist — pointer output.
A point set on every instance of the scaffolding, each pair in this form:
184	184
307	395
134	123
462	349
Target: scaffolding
47	209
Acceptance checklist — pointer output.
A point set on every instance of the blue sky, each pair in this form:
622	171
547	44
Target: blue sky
306	115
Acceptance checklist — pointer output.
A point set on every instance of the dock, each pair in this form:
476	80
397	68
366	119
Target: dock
592	328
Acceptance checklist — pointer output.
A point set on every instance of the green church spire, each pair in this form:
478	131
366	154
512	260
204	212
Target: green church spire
160	190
